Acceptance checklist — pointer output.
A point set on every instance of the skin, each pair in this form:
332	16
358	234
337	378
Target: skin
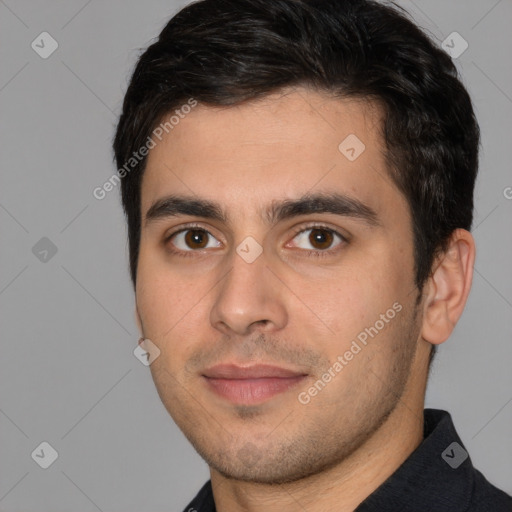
289	308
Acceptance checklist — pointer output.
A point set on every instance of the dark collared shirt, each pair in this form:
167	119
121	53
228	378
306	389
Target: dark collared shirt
437	477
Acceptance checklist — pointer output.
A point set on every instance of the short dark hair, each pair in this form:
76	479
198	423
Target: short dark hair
226	52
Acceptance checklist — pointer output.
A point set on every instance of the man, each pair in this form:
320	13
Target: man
298	181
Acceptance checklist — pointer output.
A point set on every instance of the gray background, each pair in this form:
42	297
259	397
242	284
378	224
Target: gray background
67	369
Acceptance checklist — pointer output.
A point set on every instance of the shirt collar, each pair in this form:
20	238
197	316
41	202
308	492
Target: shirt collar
438	475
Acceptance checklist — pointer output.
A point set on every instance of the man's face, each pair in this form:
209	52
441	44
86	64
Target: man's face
222	313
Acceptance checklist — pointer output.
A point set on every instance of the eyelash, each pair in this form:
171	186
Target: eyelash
319	253
309	253
178	252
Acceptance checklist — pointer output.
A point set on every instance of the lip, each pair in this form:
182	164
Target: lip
250	384
258	371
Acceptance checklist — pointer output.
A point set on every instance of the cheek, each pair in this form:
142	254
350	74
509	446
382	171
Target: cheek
163	299
355	299
174	312
331	311
167	290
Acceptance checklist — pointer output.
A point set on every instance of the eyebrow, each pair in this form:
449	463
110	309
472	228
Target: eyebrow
338	204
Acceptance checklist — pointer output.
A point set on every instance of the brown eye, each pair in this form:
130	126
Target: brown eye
192	239
321	238
196	238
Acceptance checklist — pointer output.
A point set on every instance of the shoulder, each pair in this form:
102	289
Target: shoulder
488	498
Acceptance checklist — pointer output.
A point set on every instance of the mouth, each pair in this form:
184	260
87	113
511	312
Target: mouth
250	385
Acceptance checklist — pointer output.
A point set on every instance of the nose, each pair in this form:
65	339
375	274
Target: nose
249	298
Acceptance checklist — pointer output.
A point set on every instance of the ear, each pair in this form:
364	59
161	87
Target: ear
139	321
448	287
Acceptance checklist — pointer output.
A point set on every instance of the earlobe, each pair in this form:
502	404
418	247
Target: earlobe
448	287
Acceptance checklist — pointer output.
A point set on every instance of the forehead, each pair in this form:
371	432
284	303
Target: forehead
280	147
